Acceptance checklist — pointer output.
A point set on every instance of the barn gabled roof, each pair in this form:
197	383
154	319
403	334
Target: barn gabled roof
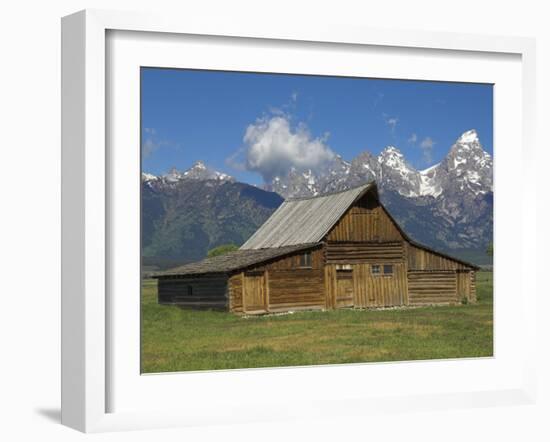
304	220
232	261
309	219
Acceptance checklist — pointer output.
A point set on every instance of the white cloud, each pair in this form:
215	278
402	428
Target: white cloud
273	146
235	160
412	139
427	145
151	143
391	122
149	146
379	97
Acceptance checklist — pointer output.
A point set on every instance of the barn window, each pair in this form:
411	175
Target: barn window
305	259
388	269
375	269
189	290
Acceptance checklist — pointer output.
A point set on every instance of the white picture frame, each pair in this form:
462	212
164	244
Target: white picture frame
86	210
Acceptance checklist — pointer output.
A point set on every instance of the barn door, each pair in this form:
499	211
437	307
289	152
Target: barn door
344	288
254	292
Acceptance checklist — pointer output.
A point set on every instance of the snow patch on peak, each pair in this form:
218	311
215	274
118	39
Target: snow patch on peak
173	175
392	157
428	170
468	137
198	166
199	171
148	176
428	186
308	175
391	150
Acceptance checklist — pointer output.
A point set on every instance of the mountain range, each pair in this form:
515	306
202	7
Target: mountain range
448	206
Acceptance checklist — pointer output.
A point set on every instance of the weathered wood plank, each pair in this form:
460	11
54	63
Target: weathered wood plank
432	287
366	221
206	292
420	259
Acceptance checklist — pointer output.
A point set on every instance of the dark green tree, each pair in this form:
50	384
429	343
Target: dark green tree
222	250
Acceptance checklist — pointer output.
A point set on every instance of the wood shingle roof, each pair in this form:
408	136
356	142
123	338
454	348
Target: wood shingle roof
232	261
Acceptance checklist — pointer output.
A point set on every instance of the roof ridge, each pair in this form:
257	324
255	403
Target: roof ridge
302	198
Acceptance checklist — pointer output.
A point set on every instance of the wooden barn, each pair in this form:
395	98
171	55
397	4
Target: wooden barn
342	250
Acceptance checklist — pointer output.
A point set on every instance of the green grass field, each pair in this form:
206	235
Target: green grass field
174	339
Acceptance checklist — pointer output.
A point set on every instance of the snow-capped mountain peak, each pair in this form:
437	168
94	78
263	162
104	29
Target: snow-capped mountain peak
199	165
466	168
199	171
173	175
390	154
395	172
468	137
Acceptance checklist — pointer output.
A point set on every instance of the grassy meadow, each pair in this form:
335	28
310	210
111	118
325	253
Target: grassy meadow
173	339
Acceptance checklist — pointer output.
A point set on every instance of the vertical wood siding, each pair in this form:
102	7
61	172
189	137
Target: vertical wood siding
296	289
420	259
370	290
254	292
344	288
463	286
366	221
235	286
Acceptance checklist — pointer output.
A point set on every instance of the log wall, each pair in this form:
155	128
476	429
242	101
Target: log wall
435	287
473	293
365	252
292	262
208	292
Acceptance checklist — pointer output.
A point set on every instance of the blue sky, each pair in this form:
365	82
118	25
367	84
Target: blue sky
247	124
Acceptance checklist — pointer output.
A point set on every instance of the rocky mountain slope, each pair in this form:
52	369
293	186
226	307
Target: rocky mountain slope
184	218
